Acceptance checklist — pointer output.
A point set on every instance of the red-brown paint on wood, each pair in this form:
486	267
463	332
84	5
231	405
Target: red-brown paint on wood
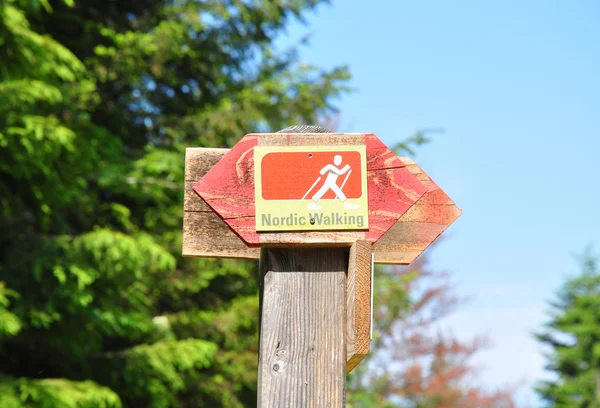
245	227
418	227
379	156
391	193
229	186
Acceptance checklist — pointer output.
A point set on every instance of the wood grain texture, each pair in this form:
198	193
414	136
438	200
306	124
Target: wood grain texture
309	139
391	193
199	160
420	226
302	355
191	200
358	304
205	234
401	244
229	187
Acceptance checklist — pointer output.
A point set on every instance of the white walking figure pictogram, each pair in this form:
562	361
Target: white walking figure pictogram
331	179
331	183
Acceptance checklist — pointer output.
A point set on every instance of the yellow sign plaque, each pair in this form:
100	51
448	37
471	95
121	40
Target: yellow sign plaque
311	188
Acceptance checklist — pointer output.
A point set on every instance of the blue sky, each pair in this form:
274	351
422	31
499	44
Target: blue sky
516	87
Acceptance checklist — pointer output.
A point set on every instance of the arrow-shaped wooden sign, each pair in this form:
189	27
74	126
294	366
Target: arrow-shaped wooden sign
206	234
317	210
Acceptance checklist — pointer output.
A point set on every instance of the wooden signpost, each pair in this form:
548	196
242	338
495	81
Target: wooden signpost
317	209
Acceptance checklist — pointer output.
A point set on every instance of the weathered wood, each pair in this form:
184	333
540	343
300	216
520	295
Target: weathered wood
229	186
358	304
401	244
420	226
206	235
194	156
308	139
199	160
191	200
302	356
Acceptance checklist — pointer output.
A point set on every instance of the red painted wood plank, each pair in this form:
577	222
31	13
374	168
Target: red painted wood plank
419	227
245	227
229	186
379	156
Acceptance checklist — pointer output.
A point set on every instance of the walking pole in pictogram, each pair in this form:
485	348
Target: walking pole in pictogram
311	187
344	183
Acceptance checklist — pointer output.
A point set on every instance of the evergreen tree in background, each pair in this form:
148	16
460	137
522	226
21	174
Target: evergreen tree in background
573	335
98	100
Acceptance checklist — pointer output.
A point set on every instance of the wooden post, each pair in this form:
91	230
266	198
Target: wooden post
302	355
358	304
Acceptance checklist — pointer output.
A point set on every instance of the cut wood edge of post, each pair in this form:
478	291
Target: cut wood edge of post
358	304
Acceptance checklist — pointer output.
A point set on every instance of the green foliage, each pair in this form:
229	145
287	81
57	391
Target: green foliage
10	324
573	335
50	393
97	104
153	374
418	139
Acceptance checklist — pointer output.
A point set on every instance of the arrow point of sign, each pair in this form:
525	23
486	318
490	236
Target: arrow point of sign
420	226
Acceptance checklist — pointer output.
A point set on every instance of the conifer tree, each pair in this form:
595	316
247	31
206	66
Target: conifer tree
573	337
